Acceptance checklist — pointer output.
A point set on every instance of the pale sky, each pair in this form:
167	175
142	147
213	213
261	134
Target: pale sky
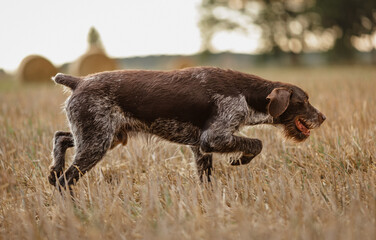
58	30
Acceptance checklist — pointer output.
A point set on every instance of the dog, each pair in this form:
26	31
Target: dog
201	107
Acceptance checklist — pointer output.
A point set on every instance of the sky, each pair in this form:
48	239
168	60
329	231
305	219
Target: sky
58	30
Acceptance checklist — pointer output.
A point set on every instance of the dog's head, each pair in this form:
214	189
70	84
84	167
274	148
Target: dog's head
289	106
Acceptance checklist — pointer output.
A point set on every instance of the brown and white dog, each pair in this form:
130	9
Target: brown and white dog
201	107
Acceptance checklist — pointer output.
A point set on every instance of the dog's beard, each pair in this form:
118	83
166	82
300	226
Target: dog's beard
298	128
292	132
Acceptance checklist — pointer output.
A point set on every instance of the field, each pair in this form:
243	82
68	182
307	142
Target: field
324	188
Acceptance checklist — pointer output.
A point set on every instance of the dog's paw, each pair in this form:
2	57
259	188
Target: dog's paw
245	159
52	179
257	147
54	176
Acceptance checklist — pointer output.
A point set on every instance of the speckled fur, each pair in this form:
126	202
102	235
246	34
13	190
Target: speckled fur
201	107
233	112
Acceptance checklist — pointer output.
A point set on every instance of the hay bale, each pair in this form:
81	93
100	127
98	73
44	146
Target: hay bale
91	62
35	68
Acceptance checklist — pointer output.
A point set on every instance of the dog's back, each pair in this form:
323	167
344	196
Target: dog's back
184	95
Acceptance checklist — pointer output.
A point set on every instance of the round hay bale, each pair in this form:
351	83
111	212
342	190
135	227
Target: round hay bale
35	68
92	62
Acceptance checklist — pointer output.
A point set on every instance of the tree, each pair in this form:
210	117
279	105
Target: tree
285	25
351	17
293	25
210	23
94	39
283	22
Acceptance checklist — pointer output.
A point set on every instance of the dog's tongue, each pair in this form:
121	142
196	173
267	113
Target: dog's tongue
302	128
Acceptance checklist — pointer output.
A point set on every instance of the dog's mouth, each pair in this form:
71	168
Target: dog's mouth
303	126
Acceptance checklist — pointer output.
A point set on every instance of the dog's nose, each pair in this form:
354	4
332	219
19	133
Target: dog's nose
321	118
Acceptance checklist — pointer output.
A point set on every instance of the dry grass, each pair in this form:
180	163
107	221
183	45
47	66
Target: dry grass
324	188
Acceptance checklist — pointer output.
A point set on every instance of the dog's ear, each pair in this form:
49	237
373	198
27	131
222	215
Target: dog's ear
279	100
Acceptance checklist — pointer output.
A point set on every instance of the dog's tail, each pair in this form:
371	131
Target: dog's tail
67	80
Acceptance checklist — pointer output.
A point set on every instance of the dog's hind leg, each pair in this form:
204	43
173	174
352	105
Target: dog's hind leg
62	141
204	163
95	131
90	149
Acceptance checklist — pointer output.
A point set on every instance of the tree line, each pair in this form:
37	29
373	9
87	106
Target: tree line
339	27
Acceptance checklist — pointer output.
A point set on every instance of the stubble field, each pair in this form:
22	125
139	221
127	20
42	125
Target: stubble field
324	188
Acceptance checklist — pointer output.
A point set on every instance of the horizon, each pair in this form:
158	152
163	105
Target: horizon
58	31
61	37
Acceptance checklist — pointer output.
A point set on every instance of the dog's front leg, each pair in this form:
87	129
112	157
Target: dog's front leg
221	142
204	163
232	112
244	159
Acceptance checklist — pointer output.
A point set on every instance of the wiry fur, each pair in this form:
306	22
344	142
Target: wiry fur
201	107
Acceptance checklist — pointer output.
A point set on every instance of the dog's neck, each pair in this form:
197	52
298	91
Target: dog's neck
256	94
